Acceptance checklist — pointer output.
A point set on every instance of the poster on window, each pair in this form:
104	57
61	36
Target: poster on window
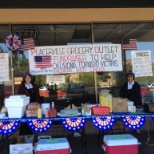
55	79
141	63
4	67
75	58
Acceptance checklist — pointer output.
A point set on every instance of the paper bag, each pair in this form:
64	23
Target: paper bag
105	99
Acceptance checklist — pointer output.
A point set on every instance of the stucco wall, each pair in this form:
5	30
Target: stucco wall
88	15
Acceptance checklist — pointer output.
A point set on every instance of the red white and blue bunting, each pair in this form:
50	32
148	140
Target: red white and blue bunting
73	124
103	123
133	122
40	125
13	42
8	127
152	118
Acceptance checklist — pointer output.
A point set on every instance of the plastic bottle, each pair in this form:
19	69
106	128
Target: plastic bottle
52	105
53	111
47	113
39	113
3	110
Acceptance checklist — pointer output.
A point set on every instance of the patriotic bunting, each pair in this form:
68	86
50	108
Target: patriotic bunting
8	127
133	122
73	124
103	123
152	118
40	125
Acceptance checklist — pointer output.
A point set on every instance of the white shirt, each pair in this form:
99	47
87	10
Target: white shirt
130	85
29	86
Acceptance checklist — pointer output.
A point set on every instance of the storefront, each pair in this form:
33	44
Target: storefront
63	26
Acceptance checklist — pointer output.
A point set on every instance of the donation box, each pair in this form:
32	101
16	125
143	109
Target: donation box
120	144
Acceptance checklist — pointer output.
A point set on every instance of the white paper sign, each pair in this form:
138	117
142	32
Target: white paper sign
4	67
76	58
26	148
55	79
141	63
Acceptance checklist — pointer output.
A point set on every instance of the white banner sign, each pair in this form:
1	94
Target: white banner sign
141	63
72	59
4	67
55	79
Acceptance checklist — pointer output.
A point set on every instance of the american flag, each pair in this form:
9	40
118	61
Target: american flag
28	44
43	61
130	44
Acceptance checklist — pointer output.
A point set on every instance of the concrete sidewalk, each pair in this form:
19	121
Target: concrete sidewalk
92	143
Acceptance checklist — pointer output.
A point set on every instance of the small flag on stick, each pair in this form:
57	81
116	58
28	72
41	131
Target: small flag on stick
28	43
130	44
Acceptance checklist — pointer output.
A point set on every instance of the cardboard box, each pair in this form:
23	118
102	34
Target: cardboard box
53	146
120	144
119	104
22	145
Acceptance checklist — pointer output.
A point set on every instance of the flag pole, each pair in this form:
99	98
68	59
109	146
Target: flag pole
18	58
95	79
11	62
123	53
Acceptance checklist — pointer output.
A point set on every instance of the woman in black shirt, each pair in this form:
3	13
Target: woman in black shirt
131	90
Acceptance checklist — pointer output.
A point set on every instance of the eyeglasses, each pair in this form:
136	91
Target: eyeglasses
129	76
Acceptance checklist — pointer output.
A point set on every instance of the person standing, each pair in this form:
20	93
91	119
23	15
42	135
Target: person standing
28	88
131	90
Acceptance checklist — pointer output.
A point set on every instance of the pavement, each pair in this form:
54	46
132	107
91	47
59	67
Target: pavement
92	143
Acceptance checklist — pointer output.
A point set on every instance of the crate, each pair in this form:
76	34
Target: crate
100	110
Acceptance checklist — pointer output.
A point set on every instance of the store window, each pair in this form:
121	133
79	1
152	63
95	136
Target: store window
146	81
82	85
